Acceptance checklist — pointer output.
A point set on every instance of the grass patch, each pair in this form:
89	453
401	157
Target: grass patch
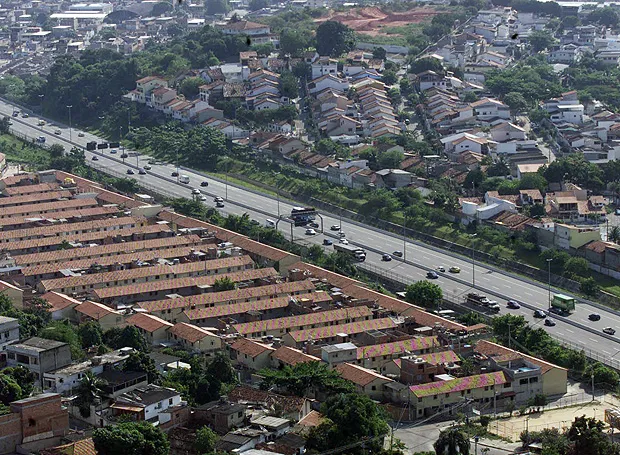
20	152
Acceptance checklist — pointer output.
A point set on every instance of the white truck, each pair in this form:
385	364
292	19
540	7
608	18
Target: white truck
184	178
357	253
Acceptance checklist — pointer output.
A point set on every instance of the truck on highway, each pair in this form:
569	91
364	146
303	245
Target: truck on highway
562	304
481	300
357	253
184	178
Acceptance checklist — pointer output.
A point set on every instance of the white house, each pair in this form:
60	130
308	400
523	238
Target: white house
328	81
9	331
507	131
148	403
487	108
461	142
323	66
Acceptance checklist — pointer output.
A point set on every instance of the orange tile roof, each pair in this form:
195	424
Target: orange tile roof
492	349
190	332
292	356
321	317
352	328
179	283
397	347
81	447
68	215
233	296
59	301
312	419
458	384
358	375
249	347
56	208
148	322
236	308
28	198
95	310
438	358
29	189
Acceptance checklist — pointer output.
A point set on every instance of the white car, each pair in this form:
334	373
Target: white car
218	199
147	167
202	197
195	191
310	232
343	241
441	268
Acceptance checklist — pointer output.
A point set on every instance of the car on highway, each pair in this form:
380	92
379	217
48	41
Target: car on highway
549	322
41	139
174	174
15	113
95	158
219	205
398	254
441	268
540	314
124	155
342	235
335	227
204	183
513	305
432	275
310	231
343	241
57	132
80	134
203	198
195	191
455	269
25	115
142	171
386	257
147	167
41	122
313	225
327	242
218	199
609	331
130	172
113	151
594	317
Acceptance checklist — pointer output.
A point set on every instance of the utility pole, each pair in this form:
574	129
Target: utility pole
473	261
549	283
70	126
404	238
592	376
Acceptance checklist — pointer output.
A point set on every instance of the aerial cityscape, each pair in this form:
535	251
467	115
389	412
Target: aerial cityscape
243	227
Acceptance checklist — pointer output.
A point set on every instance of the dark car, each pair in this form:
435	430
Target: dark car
130	172
204	183
540	314
327	242
549	322
609	331
432	275
386	257
174	174
124	155
513	304
399	254
219	205
95	158
594	317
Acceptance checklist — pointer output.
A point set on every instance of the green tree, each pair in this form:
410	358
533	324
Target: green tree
589	287
205	440
452	441
89	393
614	234
605	16
255	5
380	204
515	101
293	42
9	390
5	125
127	337
533	181
588	437
305	377
190	87
56	151
23	377
390	159
389	77
577	267
289	85
379	53
141	362
334	38
131	438
540	40
426	64
221	369
224	284
470	97
424	293
90	334
63	331
217	7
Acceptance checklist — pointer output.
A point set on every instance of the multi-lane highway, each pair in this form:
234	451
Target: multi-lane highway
420	258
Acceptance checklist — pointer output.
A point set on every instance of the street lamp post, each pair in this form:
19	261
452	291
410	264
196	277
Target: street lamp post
549	282
120	138
473	261
41	102
70	126
404	238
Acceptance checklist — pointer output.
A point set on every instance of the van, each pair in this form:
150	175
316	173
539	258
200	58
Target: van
270	224
184	178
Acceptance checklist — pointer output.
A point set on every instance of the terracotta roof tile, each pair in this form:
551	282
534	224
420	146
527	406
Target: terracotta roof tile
190	332
249	347
458	384
493	349
147	322
291	356
358	375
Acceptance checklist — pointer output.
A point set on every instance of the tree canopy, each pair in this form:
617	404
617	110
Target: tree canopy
304	377
131	438
424	293
334	38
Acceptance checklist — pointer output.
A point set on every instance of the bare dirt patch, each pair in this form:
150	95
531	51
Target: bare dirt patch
371	20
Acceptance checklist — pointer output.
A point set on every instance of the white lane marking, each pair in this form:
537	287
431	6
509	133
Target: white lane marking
592	339
569	330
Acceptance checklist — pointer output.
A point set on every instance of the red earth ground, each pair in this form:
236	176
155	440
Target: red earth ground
371	20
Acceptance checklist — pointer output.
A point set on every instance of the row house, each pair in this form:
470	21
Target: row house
324	66
144	88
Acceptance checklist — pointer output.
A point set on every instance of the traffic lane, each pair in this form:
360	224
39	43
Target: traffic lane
423	256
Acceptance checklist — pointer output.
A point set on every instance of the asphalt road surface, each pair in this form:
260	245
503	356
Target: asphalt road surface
498	285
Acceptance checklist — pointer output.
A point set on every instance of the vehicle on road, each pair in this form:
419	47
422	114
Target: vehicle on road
113	151
343	241
549	322
594	317
314	225
204	183
219	199
513	305
441	268
202	197
25	115
183	179
563	303
335	227
398	254
219	205
124	155
270	224
327	242
303	215
386	257
80	134
95	158
355	252
407	121
174	174
342	235
432	275
540	314
195	191
147	167
130	172
15	113
455	269
310	232
41	139
41	122
609	331
57	132
474	298
142	171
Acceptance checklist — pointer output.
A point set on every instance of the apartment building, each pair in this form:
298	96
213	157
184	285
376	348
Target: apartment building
39	355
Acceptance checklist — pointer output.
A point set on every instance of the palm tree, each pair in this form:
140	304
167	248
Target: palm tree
89	392
614	234
452	442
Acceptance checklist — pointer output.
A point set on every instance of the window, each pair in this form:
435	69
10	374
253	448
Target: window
374	387
434	397
170	401
523	381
